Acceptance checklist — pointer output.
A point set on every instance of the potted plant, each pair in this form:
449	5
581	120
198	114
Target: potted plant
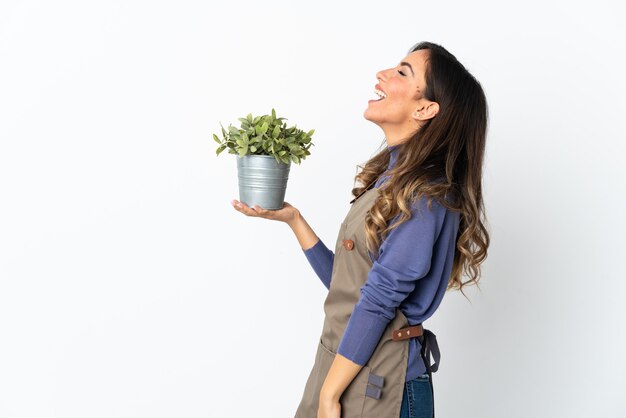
265	148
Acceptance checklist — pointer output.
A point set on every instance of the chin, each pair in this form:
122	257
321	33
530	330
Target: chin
367	114
372	118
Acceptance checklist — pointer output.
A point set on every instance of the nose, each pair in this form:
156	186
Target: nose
382	75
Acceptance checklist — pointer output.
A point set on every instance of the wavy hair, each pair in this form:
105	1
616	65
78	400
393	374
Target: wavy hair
443	160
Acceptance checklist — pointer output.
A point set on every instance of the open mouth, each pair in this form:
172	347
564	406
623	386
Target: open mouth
381	94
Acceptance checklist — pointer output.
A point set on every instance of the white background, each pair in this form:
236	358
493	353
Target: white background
129	287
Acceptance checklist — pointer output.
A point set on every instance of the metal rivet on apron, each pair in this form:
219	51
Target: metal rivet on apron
348	244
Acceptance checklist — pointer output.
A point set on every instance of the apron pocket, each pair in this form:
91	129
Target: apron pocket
310	399
353	398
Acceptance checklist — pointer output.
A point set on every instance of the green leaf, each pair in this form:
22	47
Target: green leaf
220	149
249	117
252	148
285	159
273	114
258	129
243	151
264	127
276	132
216	139
311	132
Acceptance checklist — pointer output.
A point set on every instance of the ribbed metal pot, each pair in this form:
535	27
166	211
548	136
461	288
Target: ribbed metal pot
262	181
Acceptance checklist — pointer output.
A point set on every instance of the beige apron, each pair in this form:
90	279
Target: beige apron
378	389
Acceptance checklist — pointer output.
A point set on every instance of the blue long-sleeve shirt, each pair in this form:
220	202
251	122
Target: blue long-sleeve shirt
410	273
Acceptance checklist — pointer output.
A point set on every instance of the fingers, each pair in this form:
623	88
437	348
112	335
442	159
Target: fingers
243	208
256	211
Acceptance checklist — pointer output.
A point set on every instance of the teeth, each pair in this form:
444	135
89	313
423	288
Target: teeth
380	94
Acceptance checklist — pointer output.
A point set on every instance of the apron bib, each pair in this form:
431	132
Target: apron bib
378	388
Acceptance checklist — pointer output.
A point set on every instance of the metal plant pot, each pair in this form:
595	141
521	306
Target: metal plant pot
262	181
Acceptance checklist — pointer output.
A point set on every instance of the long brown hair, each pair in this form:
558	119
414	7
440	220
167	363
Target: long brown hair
443	160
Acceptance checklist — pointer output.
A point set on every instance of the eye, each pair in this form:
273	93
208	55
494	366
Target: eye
401	73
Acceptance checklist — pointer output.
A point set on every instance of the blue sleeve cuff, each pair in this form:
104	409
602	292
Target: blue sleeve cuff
321	259
362	335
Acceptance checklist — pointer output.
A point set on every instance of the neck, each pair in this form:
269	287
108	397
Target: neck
398	135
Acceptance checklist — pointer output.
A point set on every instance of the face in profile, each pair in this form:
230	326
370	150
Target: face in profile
400	105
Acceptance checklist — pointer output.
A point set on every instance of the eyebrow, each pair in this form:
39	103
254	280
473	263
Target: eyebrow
408	65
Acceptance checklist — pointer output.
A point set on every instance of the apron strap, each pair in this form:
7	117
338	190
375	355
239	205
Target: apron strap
430	347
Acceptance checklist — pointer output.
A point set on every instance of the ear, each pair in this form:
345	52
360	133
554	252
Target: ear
427	111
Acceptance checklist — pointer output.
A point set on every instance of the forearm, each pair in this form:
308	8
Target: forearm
303	232
342	372
321	259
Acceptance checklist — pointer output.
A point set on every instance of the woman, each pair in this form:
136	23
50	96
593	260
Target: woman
414	229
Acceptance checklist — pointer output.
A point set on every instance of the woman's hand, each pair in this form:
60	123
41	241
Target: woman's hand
287	214
329	409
